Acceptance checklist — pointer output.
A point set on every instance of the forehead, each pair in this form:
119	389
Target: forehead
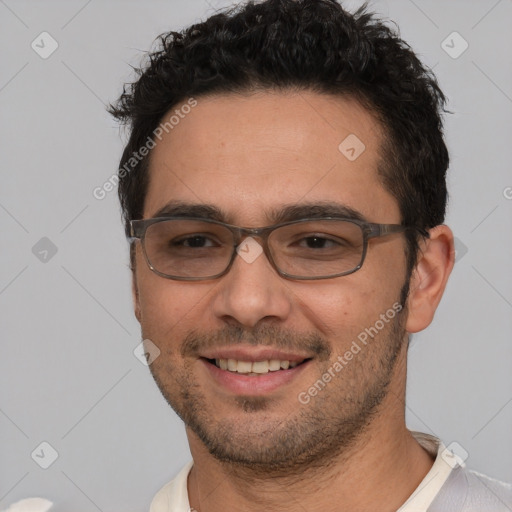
249	153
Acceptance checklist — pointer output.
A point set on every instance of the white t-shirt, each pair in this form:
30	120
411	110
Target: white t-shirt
447	487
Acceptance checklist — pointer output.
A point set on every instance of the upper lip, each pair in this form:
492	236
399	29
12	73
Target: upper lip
253	354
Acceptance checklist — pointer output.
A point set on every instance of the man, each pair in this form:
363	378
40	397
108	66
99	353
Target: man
284	191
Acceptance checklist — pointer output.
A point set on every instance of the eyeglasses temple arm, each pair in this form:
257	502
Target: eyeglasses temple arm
132	236
387	229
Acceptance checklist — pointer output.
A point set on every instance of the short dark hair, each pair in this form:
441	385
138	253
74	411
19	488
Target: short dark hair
300	45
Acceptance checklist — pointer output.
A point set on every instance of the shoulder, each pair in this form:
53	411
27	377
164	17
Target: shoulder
173	496
482	485
467	490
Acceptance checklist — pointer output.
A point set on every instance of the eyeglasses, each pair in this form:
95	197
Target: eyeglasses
194	249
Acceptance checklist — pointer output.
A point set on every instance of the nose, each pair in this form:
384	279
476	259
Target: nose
252	290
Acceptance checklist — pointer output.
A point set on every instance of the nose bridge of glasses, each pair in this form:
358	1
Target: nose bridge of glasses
262	234
242	233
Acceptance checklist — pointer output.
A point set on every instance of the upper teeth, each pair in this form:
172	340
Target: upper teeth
272	365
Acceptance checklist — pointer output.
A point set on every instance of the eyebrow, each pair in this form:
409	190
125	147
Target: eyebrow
285	213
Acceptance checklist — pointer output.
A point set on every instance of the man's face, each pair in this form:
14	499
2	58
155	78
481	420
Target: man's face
249	157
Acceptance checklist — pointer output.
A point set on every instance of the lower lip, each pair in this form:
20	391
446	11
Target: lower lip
241	384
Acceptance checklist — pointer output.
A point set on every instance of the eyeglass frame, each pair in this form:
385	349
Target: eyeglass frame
138	228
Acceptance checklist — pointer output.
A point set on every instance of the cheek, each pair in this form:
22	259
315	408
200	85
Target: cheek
167	309
342	308
169	313
165	304
172	310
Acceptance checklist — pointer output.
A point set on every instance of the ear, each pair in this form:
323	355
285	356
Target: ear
436	258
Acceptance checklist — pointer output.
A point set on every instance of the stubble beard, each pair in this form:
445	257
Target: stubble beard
319	432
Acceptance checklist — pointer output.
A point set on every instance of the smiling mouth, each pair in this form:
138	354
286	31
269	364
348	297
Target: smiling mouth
254	368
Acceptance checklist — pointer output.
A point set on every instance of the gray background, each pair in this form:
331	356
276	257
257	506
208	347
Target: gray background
68	375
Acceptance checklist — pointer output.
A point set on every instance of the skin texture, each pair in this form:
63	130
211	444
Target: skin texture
348	448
